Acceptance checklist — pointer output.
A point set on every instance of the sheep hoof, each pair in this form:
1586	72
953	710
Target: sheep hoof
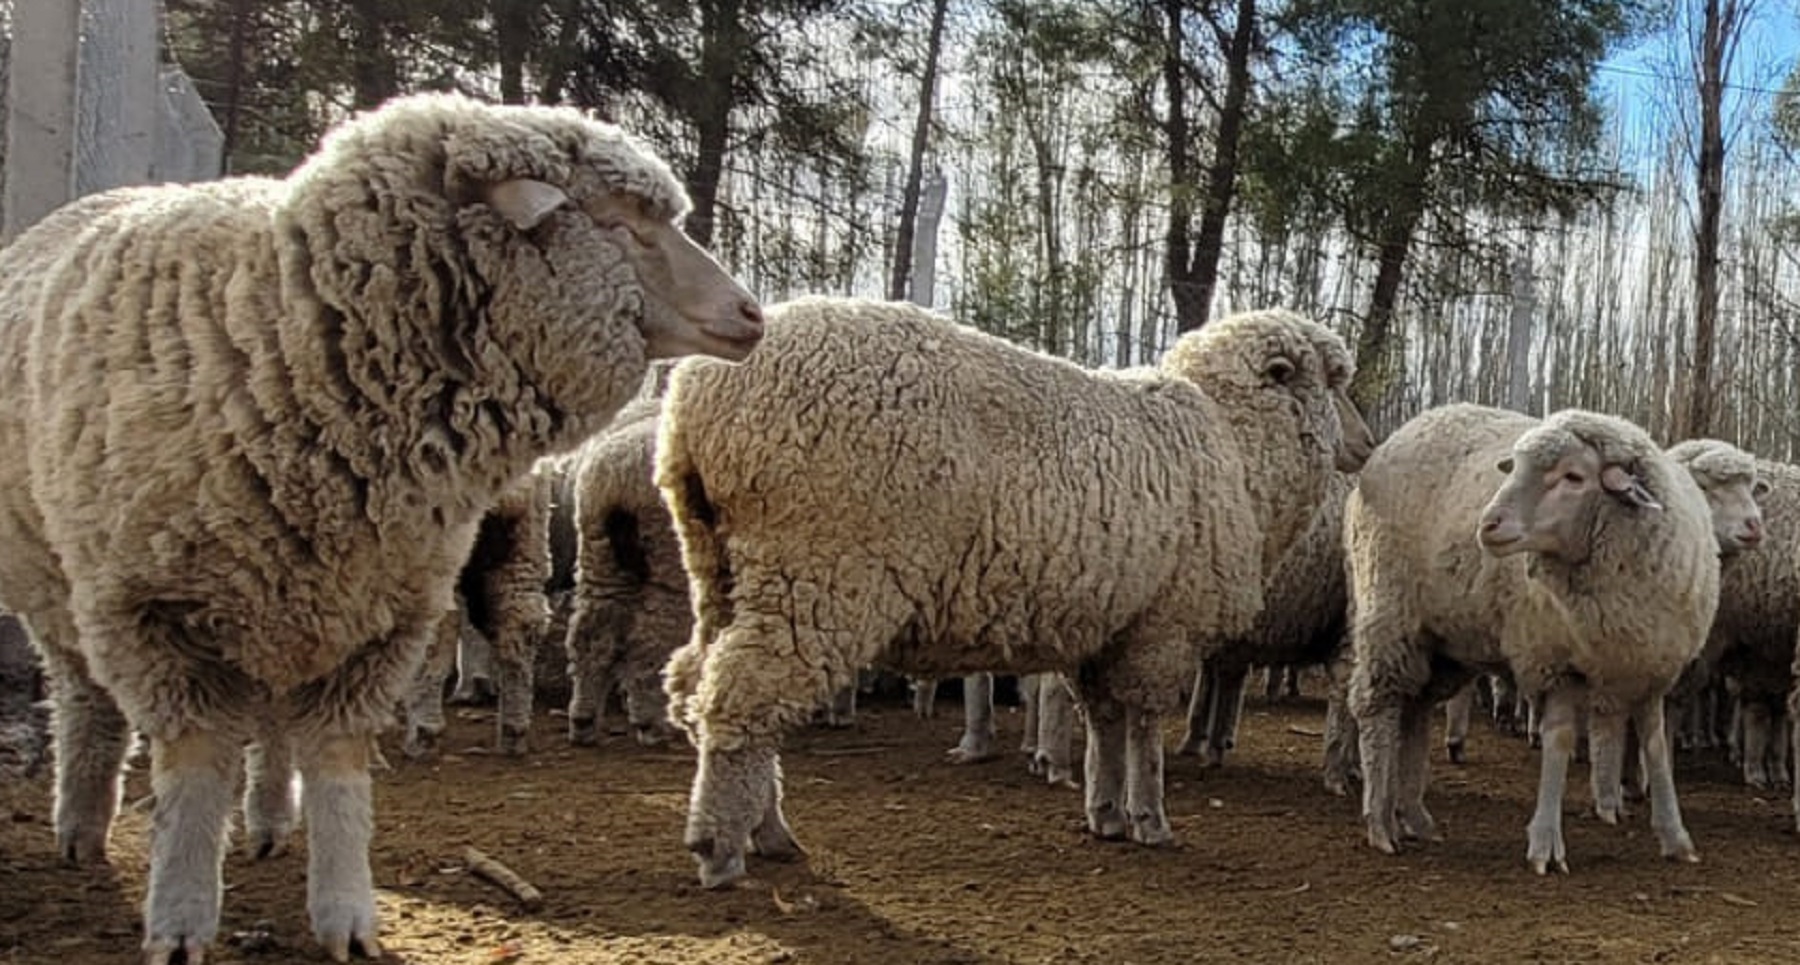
970	754
1108	824
1382	839
166	951
584	731
719	867
421	743
1608	813
1543	866
1152	831
81	846
650	735
1213	757
1190	746
513	741
266	844
1456	752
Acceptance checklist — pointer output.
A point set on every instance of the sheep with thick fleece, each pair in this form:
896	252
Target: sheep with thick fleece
879	484
1752	638
1572	550
1302	623
254	425
631	606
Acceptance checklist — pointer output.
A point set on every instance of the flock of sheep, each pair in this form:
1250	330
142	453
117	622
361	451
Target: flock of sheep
293	448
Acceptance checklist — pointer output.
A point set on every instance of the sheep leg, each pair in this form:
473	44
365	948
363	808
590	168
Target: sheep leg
1199	710
841	710
647	708
91	737
1779	775
425	700
589	684
1032	688
1223	711
1558	709
772	838
1457	711
1379	739
474	666
1340	746
514	652
1414	771
1144	778
978	738
1793	713
1106	750
340	820
1606	754
269	805
1631	768
192	777
731	791
1757	727
924	697
1055	731
1665	809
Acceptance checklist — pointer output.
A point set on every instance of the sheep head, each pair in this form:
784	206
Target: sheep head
1728	476
1560	480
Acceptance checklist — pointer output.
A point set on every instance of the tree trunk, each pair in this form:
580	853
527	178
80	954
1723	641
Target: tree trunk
374	77
1720	28
909	195
1378	367
237	50
1190	312
721	40
1221	175
512	37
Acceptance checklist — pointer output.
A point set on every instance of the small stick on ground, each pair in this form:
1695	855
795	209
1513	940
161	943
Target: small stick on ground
484	866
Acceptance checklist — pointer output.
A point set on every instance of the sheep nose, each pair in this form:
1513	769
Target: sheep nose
1752	534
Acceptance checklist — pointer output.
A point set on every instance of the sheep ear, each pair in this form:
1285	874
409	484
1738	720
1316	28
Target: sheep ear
1628	488
524	201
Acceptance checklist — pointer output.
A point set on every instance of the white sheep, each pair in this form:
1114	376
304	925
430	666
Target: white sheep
1572	550
878	482
253	427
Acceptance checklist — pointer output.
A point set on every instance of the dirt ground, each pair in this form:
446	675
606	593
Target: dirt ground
913	860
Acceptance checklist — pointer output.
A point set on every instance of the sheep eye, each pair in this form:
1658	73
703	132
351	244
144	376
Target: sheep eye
1505	465
1574	478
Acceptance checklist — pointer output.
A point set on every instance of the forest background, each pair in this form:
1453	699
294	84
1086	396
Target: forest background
1538	203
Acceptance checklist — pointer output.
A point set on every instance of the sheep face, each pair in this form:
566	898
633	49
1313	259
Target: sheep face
692	305
1552	506
1734	490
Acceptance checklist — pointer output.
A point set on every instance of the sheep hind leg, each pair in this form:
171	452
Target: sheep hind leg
1055	732
979	738
1144	778
1414	772
1379	738
1758	727
1457	711
192	777
1223	716
1199	709
91	736
514	658
772	838
425	699
340	820
1545	848
1106	749
1606	761
1665	808
269	805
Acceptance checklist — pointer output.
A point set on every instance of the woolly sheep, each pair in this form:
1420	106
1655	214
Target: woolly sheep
255	424
631	606
878	482
1594	577
1752	638
1303	623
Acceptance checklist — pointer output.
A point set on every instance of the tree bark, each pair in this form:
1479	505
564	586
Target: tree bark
1721	25
512	38
1221	174
721	38
1190	312
909	195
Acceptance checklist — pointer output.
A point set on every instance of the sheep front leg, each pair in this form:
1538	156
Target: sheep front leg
735	802
1758	728
192	777
1559	715
340	820
515	650
1340	764
1665	809
269	805
425	699
1606	756
1457	711
91	737
590	659
1106	763
1144	778
978	737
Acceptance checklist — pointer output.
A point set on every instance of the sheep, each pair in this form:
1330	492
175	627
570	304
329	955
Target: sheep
879	482
1752	637
1586	563
1303	623
631	606
1050	712
255	424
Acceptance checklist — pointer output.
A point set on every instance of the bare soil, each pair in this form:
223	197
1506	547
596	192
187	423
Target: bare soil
917	861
